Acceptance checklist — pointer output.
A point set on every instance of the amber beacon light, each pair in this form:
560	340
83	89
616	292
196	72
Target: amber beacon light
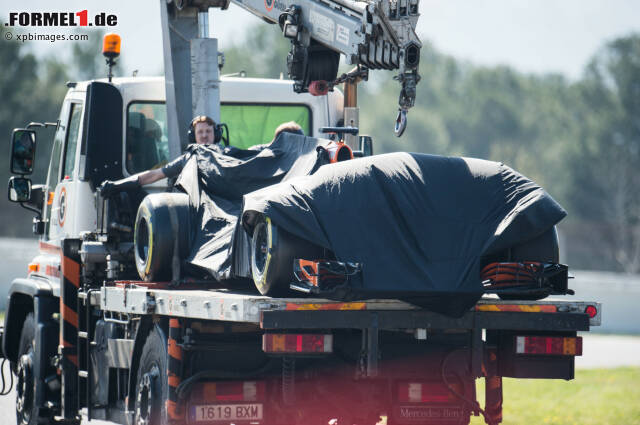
111	50
111	45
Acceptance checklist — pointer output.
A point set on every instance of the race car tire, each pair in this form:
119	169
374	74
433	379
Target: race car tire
543	248
163	226
273	250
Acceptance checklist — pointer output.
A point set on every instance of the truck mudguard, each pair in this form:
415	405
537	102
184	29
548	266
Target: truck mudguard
22	293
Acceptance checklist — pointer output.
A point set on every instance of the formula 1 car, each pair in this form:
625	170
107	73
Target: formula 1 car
436	231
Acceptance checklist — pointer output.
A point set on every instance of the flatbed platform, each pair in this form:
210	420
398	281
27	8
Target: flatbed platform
245	306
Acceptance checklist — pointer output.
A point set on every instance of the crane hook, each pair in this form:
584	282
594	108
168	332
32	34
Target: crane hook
401	122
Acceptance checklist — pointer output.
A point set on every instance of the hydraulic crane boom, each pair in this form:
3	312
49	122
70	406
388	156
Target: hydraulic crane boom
376	34
372	34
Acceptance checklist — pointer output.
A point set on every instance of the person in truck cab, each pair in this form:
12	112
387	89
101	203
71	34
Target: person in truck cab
201	130
286	127
143	136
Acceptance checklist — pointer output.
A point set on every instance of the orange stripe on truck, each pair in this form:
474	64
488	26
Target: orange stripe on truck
49	248
523	308
70	315
71	271
173	411
331	306
174	350
174	380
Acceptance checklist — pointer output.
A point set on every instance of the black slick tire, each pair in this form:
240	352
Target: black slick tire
163	226
273	250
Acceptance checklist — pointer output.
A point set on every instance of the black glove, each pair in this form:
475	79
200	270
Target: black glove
109	188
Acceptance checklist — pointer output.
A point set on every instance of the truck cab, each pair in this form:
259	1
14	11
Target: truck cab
111	130
93	143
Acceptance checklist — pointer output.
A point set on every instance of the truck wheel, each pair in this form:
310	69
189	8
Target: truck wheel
162	225
544	248
273	250
27	413
152	388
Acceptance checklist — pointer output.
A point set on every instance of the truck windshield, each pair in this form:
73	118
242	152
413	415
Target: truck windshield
255	124
147	142
249	124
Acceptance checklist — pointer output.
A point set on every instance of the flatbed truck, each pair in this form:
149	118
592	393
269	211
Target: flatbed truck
85	338
148	353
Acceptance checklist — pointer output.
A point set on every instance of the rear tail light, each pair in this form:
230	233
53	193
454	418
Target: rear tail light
427	392
549	345
591	311
233	391
297	343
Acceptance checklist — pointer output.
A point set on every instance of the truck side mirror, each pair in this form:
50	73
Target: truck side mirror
19	189
23	151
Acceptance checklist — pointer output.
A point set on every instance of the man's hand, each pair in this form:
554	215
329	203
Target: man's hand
109	188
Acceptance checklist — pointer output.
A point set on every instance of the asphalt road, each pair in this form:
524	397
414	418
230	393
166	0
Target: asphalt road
600	351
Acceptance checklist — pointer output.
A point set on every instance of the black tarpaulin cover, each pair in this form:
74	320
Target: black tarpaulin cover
216	180
419	224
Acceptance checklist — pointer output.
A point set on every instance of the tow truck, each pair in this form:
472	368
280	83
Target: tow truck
87	339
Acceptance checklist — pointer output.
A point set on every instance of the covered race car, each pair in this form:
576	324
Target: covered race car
435	231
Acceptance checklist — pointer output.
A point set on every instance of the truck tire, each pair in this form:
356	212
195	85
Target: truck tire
27	412
273	250
163	224
152	389
543	248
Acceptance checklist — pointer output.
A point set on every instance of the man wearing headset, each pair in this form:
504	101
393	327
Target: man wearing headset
202	129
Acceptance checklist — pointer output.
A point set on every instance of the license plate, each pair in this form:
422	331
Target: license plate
426	414
226	412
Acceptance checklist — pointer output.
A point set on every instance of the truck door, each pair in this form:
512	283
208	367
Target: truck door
63	172
53	174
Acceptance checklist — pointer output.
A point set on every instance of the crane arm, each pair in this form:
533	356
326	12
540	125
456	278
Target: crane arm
376	34
372	34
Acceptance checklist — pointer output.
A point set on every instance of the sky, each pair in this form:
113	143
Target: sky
537	36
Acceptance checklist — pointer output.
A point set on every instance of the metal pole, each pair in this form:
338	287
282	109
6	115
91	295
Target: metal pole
205	75
177	29
203	24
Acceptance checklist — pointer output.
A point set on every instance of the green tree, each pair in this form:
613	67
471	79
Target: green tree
29	90
32	90
606	175
262	54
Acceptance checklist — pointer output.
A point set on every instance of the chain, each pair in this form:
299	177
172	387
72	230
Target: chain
353	76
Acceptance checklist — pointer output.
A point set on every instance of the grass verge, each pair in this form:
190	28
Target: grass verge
594	397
